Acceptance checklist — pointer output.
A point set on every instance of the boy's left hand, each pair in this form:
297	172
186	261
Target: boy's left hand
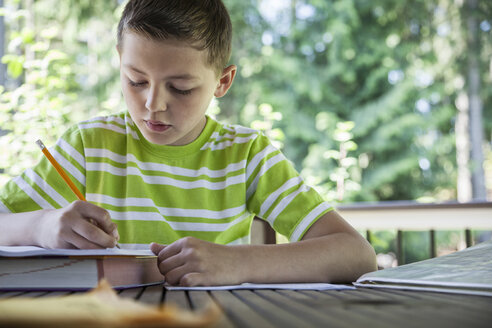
192	262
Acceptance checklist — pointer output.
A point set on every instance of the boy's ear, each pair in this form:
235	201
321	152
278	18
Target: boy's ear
225	80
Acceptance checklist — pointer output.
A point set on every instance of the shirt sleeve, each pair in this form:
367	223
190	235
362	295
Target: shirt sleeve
277	194
41	187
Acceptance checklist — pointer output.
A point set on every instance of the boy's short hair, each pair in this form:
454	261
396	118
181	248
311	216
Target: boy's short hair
205	24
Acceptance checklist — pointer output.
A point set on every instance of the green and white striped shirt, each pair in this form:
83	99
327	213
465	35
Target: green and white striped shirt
209	189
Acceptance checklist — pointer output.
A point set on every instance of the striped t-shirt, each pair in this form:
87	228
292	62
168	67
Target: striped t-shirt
209	189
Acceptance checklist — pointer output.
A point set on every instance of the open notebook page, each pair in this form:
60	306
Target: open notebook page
26	251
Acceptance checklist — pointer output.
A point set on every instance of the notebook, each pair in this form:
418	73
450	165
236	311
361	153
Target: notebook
465	272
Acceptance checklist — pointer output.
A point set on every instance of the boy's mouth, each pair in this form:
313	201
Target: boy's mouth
156	126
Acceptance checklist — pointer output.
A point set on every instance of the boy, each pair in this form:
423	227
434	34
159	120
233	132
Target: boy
167	173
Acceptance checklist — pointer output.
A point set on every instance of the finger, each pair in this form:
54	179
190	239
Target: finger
174	276
115	233
65	245
93	212
171	263
156	248
169	250
80	242
93	234
191	279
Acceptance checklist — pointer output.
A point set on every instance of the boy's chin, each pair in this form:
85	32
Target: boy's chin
160	140
155	138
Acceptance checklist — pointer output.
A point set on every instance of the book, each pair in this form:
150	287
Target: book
33	268
101	307
465	272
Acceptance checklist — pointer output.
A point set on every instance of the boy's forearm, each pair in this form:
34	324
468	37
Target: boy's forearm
339	257
19	228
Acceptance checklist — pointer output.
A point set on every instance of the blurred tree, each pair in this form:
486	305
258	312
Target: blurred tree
396	69
63	68
471	17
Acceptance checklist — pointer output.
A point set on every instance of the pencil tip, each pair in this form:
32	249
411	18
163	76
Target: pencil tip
40	144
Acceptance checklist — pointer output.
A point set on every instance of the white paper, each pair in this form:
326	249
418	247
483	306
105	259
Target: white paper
295	286
25	251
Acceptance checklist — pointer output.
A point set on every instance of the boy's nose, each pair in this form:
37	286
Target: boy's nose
156	99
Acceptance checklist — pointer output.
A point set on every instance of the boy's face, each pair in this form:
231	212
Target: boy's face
167	87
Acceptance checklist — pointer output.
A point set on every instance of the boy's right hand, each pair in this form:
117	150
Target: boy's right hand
70	227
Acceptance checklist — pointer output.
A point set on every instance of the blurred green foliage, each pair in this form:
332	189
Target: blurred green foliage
61	70
360	95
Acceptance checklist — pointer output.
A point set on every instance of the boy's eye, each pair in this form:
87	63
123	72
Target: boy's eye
136	84
181	92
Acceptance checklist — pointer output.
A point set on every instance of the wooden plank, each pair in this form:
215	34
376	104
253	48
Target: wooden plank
9	294
239	312
450	315
382	293
317	294
474	308
352	295
373	310
57	293
312	310
178	298
331	295
132	293
33	294
201	299
279	316
299	295
36	294
152	295
455	299
422	309
468	305
440	311
400	306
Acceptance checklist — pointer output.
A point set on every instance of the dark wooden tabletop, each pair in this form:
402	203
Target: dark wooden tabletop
333	308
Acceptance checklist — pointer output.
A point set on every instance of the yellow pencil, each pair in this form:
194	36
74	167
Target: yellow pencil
60	170
65	177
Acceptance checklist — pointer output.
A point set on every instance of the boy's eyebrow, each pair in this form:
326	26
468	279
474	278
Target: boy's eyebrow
133	68
185	76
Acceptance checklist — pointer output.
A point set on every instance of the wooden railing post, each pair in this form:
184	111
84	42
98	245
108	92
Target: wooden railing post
400	256
432	237
468	238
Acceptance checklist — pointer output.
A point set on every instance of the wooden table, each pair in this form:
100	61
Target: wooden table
344	308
